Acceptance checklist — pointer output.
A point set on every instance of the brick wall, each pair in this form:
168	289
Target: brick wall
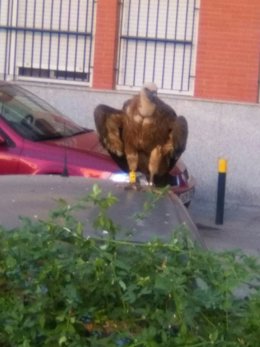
228	50
106	38
227	65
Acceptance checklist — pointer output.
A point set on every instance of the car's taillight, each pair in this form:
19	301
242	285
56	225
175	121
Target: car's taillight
93	173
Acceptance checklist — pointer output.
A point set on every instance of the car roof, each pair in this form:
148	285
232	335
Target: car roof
36	196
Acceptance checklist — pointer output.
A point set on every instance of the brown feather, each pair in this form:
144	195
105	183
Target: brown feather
109	123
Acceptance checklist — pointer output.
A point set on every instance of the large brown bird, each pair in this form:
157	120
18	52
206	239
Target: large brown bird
146	135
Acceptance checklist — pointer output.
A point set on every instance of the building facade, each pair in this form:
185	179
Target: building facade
202	54
201	48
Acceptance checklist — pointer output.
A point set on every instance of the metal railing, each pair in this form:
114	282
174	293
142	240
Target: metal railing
157	43
50	39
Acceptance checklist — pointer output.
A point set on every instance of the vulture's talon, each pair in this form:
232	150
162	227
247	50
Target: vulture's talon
133	186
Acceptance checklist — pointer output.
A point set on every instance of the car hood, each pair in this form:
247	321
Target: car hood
86	142
89	143
84	152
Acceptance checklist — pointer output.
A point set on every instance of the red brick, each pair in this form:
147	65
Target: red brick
228	50
106	38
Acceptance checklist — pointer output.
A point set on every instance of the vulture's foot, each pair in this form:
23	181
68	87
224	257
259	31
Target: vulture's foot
153	188
133	186
134	183
140	188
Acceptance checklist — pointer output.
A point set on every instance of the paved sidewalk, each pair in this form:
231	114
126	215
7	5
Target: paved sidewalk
241	227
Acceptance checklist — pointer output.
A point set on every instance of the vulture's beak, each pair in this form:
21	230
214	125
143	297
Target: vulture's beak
151	94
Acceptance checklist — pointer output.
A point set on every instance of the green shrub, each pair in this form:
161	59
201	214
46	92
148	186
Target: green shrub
59	288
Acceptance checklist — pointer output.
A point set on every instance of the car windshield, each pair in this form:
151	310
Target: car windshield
33	118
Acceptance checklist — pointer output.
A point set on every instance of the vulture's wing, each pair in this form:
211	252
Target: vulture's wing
179	136
109	123
164	109
172	150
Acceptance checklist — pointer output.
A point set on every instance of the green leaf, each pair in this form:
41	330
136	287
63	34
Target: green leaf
60	288
122	285
62	340
11	262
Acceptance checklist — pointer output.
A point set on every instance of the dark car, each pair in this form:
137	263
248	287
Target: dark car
37	139
139	217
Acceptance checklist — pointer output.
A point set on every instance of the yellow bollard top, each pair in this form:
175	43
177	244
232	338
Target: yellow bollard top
222	165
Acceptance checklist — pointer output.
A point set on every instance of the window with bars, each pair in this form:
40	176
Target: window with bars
158	43
46	39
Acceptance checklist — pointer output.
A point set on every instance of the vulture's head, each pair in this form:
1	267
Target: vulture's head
149	90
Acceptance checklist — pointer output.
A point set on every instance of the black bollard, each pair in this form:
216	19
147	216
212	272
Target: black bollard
222	171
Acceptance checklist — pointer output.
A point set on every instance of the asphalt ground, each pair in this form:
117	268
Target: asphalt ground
240	228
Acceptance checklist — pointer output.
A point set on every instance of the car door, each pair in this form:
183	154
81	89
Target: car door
9	155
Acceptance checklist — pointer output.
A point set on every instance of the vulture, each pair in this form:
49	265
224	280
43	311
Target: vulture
146	135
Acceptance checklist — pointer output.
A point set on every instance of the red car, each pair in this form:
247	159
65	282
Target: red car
37	139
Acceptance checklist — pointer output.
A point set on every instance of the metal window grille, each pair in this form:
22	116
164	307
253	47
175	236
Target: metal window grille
47	39
157	43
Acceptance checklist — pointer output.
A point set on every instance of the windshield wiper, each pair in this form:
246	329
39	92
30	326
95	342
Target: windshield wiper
56	136
50	137
82	131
